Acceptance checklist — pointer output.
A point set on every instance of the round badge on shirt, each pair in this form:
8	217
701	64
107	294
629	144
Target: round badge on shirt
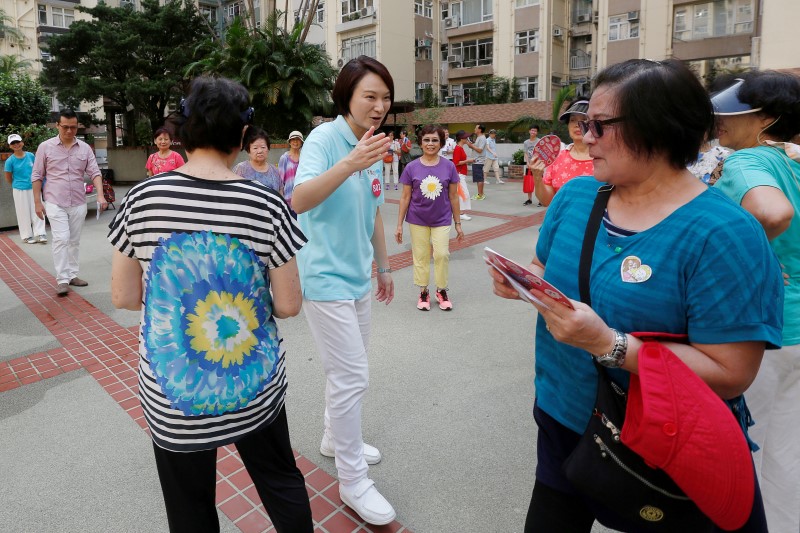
376	187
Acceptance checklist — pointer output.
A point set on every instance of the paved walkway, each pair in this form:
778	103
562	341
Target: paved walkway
449	401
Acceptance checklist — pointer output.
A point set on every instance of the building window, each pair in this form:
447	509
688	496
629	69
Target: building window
420	92
320	16
234	10
351	9
529	88
445	11
526	3
363	45
422	49
210	13
527	42
444	50
713	19
127	3
708	69
472	11
58	17
423	8
620	28
473	53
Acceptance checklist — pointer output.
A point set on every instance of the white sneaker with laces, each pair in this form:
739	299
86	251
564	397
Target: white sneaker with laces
367	502
465	217
371	454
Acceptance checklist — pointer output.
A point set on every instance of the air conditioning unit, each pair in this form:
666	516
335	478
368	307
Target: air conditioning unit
421	43
596	18
454	58
633	15
451	22
558	32
340	62
584	18
367	11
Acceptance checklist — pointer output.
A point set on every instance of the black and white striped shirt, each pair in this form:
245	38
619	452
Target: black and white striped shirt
211	367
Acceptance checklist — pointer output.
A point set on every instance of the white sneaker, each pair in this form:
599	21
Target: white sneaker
465	217
500	182
364	499
371	454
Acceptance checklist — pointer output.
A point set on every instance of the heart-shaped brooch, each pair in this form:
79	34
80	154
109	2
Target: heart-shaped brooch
633	271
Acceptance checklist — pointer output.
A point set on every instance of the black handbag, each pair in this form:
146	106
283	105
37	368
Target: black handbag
601	466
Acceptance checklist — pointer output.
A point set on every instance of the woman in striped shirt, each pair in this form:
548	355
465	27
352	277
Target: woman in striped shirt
209	259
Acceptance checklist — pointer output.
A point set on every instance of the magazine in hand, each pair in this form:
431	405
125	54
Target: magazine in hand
523	280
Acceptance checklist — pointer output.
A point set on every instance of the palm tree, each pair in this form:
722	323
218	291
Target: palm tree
13	64
289	81
564	94
7	29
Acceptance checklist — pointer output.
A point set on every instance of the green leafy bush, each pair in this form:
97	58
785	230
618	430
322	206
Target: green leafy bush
32	135
22	100
518	158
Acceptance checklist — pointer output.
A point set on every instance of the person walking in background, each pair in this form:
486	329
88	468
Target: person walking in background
479	148
492	163
573	161
527	151
64	160
165	159
448	147
256	144
728	311
391	162
18	169
429	203
405	150
460	161
758	116
287	165
208	258
338	193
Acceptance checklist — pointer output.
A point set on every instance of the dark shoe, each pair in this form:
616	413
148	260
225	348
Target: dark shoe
62	290
78	282
527	202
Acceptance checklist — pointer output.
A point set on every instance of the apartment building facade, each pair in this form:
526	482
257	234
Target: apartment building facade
449	45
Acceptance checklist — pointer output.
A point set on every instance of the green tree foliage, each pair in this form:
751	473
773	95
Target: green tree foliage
135	59
13	64
22	100
290	81
496	90
32	135
8	30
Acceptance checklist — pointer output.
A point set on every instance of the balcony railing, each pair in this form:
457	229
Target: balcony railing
579	62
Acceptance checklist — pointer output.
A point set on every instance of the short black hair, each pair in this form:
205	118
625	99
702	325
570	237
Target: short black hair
351	74
159	131
431	128
481	127
667	111
253	134
213	115
778	95
66	113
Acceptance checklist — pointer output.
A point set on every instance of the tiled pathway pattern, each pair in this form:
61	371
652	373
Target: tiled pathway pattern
91	340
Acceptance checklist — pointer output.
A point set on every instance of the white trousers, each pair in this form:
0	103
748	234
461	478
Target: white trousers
29	224
66	224
774	402
341	332
393	167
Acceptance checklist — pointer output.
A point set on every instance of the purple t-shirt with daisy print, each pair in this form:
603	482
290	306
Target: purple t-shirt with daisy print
430	192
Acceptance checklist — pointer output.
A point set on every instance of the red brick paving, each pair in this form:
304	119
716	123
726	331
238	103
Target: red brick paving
91	340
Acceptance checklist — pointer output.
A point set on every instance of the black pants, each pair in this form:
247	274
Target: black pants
188	481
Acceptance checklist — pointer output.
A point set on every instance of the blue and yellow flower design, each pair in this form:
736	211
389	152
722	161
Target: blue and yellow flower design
208	329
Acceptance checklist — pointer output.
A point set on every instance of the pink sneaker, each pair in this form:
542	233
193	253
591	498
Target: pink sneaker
444	302
424	303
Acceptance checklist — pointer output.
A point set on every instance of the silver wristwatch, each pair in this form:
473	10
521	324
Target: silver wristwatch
616	357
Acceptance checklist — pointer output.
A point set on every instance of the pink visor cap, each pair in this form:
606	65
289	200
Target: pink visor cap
675	422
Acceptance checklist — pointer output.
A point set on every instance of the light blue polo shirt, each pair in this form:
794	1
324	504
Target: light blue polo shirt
21	169
336	264
764	166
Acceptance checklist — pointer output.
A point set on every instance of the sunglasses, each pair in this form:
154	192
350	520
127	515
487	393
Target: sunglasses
596	126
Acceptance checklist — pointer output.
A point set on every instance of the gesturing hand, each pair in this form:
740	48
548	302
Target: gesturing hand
369	150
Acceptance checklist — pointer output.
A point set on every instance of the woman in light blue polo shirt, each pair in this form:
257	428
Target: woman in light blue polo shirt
337	195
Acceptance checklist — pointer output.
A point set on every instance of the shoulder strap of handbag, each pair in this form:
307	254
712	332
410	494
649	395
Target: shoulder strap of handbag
589	238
